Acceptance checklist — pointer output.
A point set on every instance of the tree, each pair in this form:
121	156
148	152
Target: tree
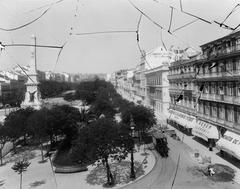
65	119
50	88
87	91
87	116
37	125
143	118
101	140
3	140
20	167
16	124
104	104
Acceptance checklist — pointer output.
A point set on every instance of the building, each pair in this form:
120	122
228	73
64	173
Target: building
157	84
205	93
219	77
183	93
139	81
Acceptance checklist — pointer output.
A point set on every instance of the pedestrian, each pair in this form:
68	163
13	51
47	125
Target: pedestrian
211	171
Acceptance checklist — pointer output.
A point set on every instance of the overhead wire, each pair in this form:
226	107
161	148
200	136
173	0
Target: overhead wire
30	45
24	25
158	25
15	61
184	25
138	41
43	6
171	18
144	14
190	14
234	9
161	35
106	32
69	34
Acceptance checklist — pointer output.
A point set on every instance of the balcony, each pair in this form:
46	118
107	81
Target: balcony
178	91
221	122
234	50
189	75
221	98
185	109
231	75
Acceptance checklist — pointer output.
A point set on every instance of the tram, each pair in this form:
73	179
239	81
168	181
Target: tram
160	143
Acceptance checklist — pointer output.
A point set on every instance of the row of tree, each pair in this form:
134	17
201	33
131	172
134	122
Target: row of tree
39	125
103	137
87	135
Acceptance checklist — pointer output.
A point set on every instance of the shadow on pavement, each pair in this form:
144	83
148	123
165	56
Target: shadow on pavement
231	159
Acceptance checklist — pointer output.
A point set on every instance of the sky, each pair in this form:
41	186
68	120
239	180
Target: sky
105	53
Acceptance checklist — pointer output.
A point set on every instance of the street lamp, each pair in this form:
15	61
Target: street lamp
132	124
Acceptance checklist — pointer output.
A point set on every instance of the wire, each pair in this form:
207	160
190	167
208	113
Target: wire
144	14
138	25
43	6
139	21
197	17
143	55
163	41
25	73
69	35
158	25
181	5
105	32
24	25
171	18
234	9
204	20
59	53
185	25
29	45
224	25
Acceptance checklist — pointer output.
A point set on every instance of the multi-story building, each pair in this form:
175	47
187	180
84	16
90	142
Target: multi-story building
219	77
157	94
205	93
139	81
183	93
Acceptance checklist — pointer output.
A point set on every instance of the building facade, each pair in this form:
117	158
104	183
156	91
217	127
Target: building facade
220	77
205	93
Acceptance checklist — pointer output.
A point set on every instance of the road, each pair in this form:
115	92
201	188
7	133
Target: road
162	175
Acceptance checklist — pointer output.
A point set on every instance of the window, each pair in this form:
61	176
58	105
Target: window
234	65
210	88
236	118
229	113
200	107
238	89
214	110
229	66
213	88
217	88
221	111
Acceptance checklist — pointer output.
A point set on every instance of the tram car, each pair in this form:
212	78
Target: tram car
160	143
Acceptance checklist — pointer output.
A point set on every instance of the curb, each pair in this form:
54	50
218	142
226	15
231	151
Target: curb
141	177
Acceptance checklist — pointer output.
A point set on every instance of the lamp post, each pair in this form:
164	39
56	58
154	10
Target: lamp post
132	175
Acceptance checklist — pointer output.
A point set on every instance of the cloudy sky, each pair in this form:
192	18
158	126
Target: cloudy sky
105	52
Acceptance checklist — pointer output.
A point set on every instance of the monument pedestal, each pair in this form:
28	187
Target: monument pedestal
32	95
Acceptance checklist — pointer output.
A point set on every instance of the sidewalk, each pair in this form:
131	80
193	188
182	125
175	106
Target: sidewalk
203	151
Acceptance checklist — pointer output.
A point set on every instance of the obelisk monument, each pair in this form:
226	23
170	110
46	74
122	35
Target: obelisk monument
32	95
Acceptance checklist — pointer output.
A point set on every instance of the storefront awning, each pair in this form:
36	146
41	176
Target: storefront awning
182	119
230	143
205	130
